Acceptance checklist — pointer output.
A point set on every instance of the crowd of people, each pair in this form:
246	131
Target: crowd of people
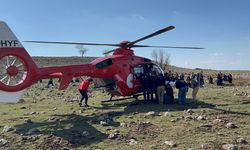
161	87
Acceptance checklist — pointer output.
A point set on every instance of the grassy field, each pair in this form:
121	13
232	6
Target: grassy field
50	119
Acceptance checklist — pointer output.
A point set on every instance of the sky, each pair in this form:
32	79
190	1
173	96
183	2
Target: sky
222	27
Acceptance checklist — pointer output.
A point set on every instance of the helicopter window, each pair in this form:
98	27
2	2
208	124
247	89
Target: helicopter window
138	71
105	63
156	69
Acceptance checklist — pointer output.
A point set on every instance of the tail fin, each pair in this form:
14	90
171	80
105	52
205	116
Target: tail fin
7	37
17	68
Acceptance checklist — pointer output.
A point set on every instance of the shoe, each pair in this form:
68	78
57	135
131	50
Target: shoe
80	104
86	105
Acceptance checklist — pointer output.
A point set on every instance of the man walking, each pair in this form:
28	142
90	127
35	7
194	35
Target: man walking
84	89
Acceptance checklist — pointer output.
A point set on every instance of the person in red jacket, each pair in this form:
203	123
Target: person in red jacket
84	89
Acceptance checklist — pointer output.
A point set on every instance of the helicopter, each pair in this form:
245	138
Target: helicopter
118	72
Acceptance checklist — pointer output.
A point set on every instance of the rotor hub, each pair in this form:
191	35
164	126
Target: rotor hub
12	70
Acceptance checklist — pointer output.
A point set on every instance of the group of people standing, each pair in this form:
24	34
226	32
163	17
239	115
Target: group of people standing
220	78
162	86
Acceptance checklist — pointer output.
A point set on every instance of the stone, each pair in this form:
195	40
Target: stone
7	129
3	142
201	118
170	143
104	123
21	100
113	135
205	126
204	146
85	133
231	125
229	147
168	114
241	141
27	121
173	120
189	111
216	121
151	113
132	142
153	146
123	124
33	113
23	107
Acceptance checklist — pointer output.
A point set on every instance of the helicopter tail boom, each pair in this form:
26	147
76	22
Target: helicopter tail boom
18	70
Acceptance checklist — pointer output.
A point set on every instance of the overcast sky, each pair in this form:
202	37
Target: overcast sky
220	26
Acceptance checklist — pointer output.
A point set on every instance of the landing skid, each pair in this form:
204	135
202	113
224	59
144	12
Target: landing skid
135	97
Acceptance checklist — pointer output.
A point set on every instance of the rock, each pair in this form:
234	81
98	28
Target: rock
231	125
113	135
3	142
201	118
27	121
54	108
33	113
170	143
153	146
216	121
3	113
168	114
229	147
116	131
205	126
32	131
204	146
23	107
130	117
151	113
7	129
132	142
85	133
173	120
42	112
123	124
241	141
104	123
21	100
188	111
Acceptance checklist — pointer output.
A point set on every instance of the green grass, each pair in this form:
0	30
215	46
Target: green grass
64	119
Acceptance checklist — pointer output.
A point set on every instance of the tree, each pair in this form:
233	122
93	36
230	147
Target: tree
162	58
82	49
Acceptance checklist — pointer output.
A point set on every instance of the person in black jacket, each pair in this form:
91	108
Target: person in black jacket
182	86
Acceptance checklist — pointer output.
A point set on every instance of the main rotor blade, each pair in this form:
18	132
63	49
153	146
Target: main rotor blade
73	43
107	52
151	35
181	47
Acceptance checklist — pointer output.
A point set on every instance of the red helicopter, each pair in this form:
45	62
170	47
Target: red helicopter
117	73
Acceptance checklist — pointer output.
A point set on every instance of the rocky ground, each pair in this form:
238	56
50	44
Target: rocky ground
50	119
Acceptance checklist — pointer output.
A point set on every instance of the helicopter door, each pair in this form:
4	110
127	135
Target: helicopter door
155	70
137	71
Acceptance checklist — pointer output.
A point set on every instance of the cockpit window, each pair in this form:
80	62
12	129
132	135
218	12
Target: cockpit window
105	63
156	69
138	71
